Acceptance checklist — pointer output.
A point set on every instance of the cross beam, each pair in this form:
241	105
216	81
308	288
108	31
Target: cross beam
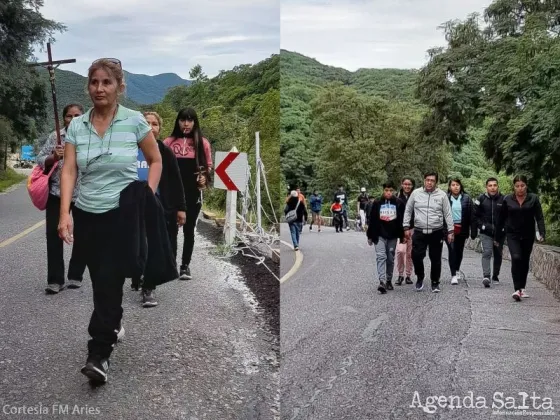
51	65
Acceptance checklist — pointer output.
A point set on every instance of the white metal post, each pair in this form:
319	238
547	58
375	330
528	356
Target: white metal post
230	225
258	180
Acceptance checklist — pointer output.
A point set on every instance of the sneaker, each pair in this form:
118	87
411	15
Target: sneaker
148	298
381	289
486	282
120	333
495	279
296	248
185	273
135	285
455	280
524	294
516	295
74	284
435	288
390	285
399	281
310	228
96	370
419	285
347	228
53	288
408	280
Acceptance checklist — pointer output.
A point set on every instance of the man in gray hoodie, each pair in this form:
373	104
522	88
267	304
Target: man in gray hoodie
432	222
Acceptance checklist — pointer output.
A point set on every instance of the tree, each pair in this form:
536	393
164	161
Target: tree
22	93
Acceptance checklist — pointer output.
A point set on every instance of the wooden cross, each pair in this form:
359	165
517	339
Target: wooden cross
50	65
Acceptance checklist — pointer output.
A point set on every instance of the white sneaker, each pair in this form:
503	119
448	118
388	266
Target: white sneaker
516	295
486	282
524	293
454	280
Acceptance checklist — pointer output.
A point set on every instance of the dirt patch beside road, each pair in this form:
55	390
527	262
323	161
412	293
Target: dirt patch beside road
256	276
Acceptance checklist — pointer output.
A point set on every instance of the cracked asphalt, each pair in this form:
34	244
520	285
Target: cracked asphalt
350	353
206	352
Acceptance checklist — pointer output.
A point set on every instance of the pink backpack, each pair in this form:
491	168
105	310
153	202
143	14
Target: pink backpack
38	186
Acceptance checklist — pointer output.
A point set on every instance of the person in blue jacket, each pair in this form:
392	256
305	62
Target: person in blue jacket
316	203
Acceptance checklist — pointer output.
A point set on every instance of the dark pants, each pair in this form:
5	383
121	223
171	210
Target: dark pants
193	210
97	236
432	242
345	217
171	221
456	249
55	248
520	251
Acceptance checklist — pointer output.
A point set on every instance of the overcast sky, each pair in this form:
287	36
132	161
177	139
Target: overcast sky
355	34
153	37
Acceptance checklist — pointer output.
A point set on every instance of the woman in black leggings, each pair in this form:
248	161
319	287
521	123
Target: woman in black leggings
194	157
517	219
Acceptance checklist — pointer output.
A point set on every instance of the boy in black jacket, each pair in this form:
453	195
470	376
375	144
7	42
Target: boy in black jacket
384	229
172	197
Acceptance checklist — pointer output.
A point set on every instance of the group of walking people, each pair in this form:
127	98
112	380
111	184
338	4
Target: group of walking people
418	221
120	195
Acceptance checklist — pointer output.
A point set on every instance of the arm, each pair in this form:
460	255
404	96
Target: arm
474	223
68	178
499	233
208	153
400	216
373	227
408	211
539	217
448	216
46	156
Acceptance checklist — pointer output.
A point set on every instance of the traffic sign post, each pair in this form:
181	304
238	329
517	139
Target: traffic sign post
231	175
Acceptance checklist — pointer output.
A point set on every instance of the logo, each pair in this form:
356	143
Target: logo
521	404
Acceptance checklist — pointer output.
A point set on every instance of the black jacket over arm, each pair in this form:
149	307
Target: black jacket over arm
171	190
143	228
386	229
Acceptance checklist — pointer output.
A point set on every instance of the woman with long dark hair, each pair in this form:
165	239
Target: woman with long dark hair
462	210
519	213
49	154
194	155
404	249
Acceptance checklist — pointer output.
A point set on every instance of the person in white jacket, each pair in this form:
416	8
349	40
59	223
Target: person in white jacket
433	221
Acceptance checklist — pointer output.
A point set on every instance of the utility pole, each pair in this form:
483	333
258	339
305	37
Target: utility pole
50	66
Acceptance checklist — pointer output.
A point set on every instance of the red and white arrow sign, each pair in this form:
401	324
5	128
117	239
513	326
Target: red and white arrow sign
231	171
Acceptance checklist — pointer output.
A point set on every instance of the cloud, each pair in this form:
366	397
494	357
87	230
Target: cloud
355	34
153	37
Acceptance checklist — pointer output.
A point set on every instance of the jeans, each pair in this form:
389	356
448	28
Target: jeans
385	252
456	250
489	250
295	229
420	243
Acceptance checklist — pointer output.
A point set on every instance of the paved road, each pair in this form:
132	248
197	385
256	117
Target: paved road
203	353
349	353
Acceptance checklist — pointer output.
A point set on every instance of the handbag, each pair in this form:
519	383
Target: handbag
291	216
38	186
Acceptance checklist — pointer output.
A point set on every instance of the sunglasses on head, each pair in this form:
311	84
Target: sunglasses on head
110	60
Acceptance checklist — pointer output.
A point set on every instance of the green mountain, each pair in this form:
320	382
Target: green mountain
148	90
303	79
140	90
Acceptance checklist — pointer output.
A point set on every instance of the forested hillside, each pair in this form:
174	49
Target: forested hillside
233	106
486	104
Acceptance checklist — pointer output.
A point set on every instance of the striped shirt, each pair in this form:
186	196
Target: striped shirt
107	165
